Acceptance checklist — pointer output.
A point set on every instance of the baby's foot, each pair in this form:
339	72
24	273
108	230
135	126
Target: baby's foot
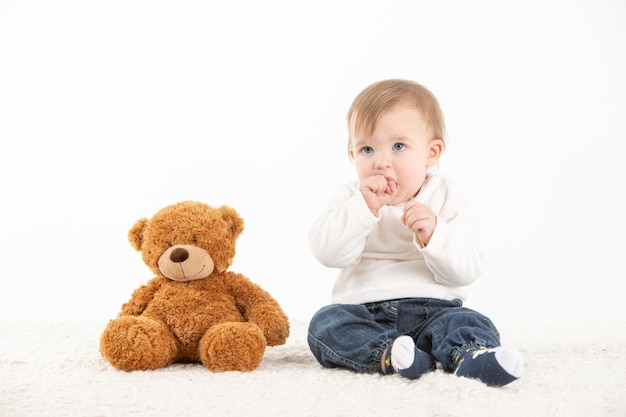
407	359
495	367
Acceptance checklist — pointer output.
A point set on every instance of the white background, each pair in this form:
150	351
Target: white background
110	110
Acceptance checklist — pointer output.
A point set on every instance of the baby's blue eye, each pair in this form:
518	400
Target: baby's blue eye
399	146
367	149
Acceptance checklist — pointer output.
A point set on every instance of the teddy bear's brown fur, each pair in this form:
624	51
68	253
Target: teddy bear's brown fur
194	309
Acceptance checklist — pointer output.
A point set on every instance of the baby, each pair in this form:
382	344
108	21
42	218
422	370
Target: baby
405	241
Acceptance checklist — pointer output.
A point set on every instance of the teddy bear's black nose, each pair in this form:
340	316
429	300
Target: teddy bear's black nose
179	255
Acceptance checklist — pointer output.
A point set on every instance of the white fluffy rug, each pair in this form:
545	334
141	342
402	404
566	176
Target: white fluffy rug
55	369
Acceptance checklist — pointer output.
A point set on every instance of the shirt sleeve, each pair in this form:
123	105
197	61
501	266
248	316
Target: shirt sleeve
454	253
338	236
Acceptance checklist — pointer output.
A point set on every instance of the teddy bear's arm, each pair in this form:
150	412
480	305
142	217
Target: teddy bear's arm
140	298
259	307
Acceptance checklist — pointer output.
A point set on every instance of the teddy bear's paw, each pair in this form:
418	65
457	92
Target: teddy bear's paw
233	347
277	333
137	343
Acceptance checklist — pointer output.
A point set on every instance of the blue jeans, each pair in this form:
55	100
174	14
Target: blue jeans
354	336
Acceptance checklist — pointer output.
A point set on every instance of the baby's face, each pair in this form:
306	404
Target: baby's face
400	149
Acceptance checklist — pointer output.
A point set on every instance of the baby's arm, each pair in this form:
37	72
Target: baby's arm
450	241
338	236
454	257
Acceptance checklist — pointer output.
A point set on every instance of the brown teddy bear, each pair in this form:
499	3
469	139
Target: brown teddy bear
194	309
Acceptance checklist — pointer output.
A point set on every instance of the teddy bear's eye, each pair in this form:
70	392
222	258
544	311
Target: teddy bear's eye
194	239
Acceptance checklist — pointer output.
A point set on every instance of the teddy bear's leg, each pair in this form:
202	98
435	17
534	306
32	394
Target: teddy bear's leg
232	347
137	343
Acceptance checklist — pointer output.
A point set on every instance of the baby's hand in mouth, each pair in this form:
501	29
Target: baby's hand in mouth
392	186
378	191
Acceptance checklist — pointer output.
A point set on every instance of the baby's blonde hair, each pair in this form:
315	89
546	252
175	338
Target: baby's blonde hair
381	96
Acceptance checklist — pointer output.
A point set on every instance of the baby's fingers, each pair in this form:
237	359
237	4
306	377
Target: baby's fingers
392	186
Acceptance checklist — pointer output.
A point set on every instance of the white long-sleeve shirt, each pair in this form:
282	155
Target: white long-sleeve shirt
379	257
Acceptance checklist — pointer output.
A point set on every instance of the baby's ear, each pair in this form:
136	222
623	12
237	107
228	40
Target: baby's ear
435	149
135	234
350	153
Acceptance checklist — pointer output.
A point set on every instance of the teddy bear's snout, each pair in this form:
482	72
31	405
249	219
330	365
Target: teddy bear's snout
179	255
186	263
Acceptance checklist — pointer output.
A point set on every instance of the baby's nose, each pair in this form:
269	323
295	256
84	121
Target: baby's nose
382	163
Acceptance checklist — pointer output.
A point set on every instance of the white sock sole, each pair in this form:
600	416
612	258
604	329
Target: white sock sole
402	353
509	359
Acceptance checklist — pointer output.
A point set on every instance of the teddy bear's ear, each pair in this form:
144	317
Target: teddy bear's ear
232	217
135	234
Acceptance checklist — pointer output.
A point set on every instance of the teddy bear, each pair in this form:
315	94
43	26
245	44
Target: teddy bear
194	309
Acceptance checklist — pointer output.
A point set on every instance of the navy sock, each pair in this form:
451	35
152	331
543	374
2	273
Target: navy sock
408	360
495	367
